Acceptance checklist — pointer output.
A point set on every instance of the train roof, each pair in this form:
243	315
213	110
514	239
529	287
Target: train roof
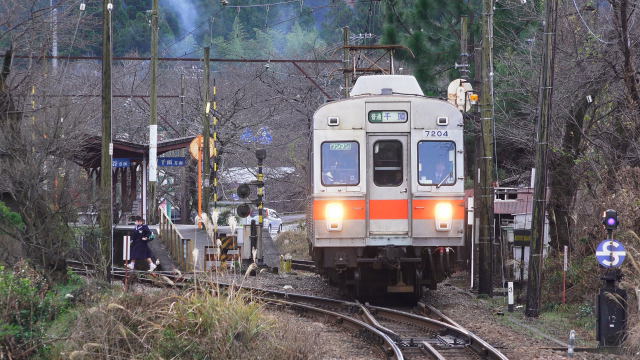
386	85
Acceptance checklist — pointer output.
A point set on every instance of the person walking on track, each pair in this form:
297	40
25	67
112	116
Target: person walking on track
139	247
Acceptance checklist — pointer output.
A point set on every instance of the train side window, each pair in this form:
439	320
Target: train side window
436	163
340	163
387	163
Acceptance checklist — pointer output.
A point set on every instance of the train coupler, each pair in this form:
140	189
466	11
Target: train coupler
400	286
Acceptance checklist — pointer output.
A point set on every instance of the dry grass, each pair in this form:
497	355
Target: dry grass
203	323
294	243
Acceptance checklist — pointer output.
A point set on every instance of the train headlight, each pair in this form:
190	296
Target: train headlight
334	213
444	213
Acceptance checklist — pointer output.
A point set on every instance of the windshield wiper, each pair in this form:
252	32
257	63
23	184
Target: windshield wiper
443	180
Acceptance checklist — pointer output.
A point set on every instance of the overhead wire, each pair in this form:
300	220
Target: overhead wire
262	5
73	40
587	26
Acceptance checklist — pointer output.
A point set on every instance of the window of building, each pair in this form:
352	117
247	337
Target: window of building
436	163
340	163
387	163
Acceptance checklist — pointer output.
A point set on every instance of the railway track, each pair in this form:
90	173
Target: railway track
306	265
399	334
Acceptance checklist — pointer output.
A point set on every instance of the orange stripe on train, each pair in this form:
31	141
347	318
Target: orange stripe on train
388	209
353	209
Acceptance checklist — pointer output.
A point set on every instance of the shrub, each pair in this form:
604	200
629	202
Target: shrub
198	324
27	305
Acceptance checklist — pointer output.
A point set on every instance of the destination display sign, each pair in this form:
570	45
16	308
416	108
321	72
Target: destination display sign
383	116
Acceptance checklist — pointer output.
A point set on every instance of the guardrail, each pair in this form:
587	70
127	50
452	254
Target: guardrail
180	248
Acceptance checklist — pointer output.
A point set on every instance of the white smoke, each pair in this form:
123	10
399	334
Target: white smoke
186	11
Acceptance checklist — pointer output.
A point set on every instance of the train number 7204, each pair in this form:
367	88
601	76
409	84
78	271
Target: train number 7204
436	133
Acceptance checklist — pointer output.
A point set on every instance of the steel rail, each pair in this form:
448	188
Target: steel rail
392	350
431	351
343	310
476	344
306	265
482	344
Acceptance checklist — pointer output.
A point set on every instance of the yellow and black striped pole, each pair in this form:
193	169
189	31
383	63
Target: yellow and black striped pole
215	157
261	154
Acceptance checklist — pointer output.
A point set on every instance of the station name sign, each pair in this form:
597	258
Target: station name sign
162	161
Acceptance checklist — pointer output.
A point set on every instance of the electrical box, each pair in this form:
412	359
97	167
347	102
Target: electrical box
611	310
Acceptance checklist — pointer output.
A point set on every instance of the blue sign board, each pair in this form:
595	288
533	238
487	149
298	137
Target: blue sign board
247	136
610	254
120	162
262	136
171	161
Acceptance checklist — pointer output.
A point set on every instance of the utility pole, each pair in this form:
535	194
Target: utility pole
106	214
205	133
184	205
153	122
485	207
54	34
464	54
346	61
545	94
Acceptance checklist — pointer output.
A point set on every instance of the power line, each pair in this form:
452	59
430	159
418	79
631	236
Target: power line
587	26
137	58
261	5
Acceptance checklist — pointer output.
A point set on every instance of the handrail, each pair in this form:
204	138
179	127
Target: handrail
179	247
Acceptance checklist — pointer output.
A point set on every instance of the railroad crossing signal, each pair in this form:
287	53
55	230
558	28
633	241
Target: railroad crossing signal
610	254
243	191
610	219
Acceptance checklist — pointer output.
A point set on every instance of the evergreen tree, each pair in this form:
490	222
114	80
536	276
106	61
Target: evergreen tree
430	28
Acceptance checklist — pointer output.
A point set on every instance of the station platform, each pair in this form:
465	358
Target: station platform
271	255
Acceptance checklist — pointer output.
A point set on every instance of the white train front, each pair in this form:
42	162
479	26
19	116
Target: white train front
387	188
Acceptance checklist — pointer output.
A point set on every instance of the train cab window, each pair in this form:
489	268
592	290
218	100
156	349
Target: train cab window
387	163
436	163
340	163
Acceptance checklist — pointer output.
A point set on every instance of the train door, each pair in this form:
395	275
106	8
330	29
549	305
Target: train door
388	189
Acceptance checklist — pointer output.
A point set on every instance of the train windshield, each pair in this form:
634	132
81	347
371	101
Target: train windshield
340	163
436	163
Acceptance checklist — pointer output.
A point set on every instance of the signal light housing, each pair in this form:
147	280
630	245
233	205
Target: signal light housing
610	219
243	210
243	191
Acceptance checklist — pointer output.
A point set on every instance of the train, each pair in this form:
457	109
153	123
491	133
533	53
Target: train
386	206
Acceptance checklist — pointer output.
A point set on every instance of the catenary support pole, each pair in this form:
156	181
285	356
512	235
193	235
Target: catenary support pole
545	94
346	61
106	214
206	134
153	121
464	51
485	285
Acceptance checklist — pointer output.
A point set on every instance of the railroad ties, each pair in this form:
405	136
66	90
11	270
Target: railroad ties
422	333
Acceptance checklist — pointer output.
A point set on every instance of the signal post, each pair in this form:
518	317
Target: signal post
611	306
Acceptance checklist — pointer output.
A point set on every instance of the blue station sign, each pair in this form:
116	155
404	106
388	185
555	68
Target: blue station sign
171	161
120	162
610	253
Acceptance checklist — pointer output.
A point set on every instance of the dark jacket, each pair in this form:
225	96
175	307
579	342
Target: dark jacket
139	248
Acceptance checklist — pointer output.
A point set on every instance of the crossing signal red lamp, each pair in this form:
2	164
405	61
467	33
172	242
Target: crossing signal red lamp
610	219
243	192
